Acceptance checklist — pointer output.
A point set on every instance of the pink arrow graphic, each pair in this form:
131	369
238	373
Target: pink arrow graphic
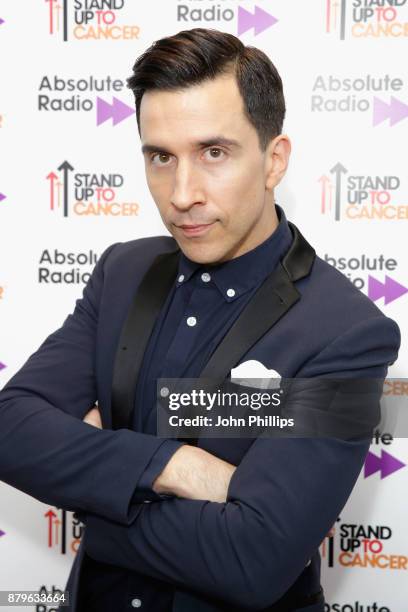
51	514
52	177
2	197
390	290
324	180
386	464
51	15
118	110
328	15
2	366
260	20
395	111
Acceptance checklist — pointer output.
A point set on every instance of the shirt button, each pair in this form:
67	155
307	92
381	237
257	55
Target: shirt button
205	277
181	278
230	292
136	603
191	321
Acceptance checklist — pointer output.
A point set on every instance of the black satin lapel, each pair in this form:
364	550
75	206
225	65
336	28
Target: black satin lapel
299	259
138	326
272	300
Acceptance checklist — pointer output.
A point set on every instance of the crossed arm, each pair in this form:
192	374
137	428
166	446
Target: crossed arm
251	548
191	473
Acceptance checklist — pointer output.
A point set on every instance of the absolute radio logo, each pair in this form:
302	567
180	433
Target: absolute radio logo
356	606
386	464
347	195
87	194
89	20
63	534
58	94
370	275
366	18
356	95
225	12
65	268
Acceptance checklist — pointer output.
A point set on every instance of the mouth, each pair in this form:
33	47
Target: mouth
195	230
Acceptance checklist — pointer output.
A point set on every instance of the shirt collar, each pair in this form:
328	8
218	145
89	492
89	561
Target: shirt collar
237	276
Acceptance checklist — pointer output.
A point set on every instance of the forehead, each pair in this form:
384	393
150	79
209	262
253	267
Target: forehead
214	105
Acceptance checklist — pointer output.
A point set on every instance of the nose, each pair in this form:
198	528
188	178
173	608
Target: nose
186	191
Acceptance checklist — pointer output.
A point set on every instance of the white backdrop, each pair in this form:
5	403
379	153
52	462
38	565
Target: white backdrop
66	114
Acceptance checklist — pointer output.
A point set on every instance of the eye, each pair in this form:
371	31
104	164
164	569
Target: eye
218	153
159	156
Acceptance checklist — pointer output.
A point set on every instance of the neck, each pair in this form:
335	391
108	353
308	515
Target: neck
264	227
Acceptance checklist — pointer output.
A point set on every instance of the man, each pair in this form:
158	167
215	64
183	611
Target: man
226	524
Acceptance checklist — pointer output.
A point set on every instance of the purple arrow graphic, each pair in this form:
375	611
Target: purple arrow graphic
390	290
395	111
2	366
2	197
260	20
1	20
386	464
2	533
103	111
372	464
380	109
398	111
121	111
118	110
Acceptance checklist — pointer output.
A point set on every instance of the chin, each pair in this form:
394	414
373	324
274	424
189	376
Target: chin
201	253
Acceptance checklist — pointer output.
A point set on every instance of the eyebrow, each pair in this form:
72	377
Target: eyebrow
209	142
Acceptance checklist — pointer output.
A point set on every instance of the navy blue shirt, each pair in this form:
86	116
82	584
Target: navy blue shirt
202	305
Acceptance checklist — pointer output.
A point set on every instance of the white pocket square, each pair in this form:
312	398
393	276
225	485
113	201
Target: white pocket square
253	369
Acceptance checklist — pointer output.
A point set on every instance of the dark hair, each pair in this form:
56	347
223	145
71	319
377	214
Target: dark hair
199	54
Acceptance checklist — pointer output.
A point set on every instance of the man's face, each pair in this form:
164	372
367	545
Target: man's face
212	184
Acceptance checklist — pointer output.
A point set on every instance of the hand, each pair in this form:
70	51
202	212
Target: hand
193	473
93	417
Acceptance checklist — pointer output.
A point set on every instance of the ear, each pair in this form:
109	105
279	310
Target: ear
276	160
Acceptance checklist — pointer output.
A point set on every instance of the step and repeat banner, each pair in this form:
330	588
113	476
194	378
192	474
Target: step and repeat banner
72	182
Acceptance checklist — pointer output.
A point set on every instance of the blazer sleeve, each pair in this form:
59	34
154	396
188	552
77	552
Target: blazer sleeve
47	451
251	549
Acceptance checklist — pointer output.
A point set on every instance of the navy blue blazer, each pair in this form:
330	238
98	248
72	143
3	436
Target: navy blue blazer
249	553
